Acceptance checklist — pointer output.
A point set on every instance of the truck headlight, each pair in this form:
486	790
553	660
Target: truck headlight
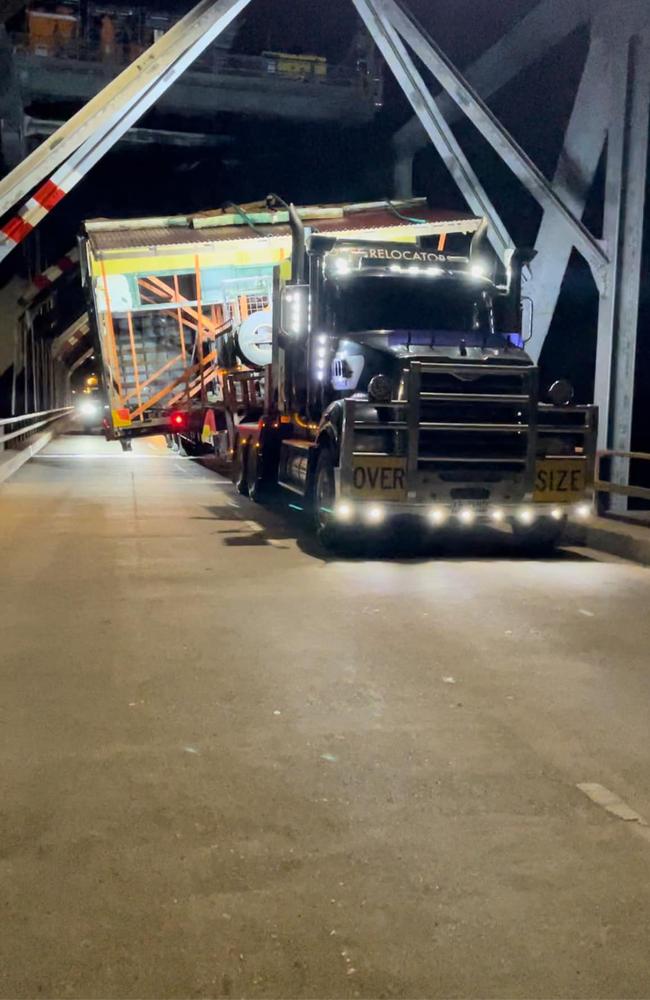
344	510
561	392
375	514
380	389
437	515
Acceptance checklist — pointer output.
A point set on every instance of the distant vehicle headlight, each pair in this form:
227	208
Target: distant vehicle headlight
88	408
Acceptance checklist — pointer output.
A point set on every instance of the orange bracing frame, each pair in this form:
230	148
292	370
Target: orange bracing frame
152	378
211	375
154	285
196	376
442	239
160	395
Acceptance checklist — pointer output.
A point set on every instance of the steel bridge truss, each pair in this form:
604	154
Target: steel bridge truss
611	109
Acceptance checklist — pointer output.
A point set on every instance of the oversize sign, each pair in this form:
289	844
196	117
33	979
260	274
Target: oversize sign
378	477
559	480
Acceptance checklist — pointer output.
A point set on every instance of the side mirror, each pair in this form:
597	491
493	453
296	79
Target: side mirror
295	310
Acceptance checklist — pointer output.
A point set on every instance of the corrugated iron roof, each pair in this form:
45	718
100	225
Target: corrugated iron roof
105	237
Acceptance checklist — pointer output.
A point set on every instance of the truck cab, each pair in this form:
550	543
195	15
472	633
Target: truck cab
400	386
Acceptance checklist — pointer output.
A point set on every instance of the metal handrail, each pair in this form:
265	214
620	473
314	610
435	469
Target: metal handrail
603	486
49	415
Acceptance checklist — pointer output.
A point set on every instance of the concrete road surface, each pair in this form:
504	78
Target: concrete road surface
235	767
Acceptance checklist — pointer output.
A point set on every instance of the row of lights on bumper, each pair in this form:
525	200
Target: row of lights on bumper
374	513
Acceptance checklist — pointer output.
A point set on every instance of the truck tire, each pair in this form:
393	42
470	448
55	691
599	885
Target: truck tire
256	486
127	444
188	446
538	539
329	533
239	472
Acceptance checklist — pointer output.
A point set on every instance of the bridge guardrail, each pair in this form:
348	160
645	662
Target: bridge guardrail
620	489
42	418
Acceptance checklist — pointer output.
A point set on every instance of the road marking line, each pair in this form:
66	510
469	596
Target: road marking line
611	802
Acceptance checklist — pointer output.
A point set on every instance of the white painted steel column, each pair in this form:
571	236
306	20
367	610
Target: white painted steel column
627	278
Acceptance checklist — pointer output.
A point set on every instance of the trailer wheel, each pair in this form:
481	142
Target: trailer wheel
127	444
538	539
239	476
256	490
329	532
185	447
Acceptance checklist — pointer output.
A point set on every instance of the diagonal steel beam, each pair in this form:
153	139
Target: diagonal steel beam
415	89
160	65
522	45
74	169
583	144
491	129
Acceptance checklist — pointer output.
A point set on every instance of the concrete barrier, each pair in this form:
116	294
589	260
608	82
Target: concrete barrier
617	538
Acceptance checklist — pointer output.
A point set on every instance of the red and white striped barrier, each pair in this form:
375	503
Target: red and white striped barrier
141	85
46	278
33	211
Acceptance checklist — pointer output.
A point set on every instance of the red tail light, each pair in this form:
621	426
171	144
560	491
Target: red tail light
178	420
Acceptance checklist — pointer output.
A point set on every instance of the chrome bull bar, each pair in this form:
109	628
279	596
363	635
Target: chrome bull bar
466	432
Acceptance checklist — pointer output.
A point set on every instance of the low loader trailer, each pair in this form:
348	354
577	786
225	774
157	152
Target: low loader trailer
368	359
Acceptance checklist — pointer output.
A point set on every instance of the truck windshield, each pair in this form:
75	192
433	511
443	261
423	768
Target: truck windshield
434	304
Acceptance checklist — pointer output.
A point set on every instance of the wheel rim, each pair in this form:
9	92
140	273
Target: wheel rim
324	498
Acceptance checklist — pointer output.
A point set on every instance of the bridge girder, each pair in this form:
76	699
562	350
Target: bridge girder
614	260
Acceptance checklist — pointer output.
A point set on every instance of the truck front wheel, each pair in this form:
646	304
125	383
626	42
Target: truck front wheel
328	531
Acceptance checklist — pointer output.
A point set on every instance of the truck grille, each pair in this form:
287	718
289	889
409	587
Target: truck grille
474	422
